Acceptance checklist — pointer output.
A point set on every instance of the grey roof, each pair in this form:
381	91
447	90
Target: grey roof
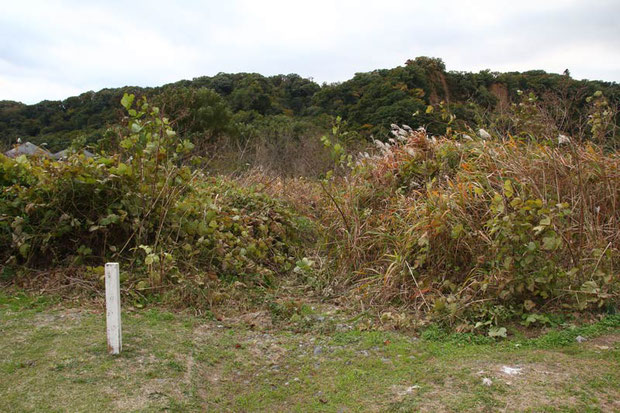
29	149
66	152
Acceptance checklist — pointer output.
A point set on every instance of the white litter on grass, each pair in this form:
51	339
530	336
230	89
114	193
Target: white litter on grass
511	371
408	390
487	381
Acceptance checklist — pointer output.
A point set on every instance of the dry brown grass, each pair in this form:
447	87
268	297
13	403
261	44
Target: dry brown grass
443	225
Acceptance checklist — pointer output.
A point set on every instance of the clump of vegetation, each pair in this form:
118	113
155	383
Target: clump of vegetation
476	232
145	205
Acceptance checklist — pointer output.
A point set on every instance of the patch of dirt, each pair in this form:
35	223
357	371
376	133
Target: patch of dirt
260	320
402	391
206	378
606	342
203	331
265	349
528	379
189	367
522	385
437	399
152	393
58	320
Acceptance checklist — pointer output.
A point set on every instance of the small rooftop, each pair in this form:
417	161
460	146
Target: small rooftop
30	149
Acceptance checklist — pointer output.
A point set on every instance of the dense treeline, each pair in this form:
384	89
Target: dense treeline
243	105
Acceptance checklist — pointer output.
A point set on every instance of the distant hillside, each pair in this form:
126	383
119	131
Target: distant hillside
369	102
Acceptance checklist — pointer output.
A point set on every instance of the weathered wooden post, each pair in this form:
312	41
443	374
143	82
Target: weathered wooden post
113	308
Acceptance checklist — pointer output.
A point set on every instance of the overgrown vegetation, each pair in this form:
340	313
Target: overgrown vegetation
477	232
228	181
145	205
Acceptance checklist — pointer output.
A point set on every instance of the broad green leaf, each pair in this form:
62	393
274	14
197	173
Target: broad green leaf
142	285
24	249
497	332
545	221
508	190
127	100
551	242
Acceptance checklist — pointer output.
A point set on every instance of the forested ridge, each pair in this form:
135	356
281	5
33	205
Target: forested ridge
234	104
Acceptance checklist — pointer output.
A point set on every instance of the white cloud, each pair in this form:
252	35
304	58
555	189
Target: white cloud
32	90
53	49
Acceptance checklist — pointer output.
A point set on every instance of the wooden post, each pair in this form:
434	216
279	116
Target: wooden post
113	308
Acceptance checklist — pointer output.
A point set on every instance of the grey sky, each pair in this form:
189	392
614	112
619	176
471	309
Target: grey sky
54	49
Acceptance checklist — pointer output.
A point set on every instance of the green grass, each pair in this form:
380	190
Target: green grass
54	359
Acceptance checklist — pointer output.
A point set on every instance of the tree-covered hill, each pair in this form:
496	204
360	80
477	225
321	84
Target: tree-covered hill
225	104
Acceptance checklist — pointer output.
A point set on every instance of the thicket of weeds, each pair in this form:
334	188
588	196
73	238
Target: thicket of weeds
468	231
174	228
476	232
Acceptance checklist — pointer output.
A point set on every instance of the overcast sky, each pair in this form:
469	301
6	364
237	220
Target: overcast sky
55	49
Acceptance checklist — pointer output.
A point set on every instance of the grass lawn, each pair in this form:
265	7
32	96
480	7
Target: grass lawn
53	358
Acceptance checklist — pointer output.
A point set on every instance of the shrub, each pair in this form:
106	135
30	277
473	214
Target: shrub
143	205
